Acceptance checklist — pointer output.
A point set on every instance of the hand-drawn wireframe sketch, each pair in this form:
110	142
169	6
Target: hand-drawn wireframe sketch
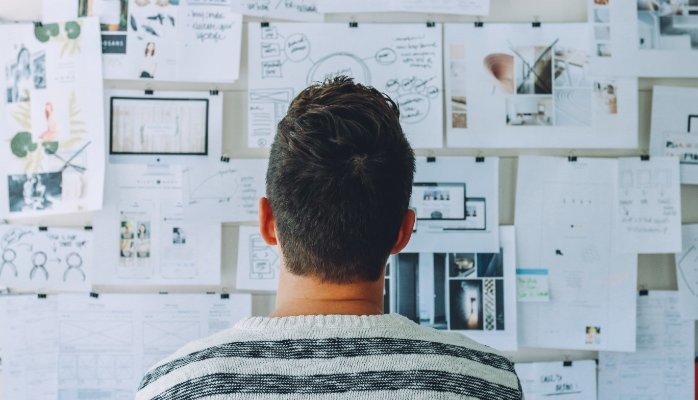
463	7
470	292
521	86
170	127
456	203
665	339
645	37
106	343
687	272
567	223
224	191
145	237
54	131
674	128
649	197
293	10
195	41
573	381
158	125
402	60
35	258
257	263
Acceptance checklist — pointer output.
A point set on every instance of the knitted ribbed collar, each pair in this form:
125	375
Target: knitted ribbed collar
322	321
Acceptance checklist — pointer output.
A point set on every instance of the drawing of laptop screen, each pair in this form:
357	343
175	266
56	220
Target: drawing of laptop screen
158	126
439	205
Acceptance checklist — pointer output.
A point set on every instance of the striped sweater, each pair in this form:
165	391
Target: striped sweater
333	357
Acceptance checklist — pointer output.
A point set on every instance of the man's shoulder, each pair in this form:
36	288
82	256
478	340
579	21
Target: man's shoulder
337	354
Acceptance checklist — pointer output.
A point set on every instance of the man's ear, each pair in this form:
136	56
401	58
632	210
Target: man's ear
405	232
267	223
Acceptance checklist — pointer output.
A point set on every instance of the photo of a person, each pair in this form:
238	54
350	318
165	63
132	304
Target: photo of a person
34	192
19	77
126	248
149	63
178	236
143	239
126	230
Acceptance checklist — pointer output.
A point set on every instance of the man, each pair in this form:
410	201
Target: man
338	190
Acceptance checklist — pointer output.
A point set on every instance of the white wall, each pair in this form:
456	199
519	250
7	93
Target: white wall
655	271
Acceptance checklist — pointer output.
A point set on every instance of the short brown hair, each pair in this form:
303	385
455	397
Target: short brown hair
339	181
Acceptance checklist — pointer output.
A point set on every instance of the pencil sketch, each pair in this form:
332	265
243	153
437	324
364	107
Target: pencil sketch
39	258
403	61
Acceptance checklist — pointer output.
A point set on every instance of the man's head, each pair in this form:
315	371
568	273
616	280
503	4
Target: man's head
339	183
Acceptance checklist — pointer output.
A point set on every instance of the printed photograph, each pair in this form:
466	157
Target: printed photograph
461	265
667	24
34	192
178	236
593	334
533	66
113	14
19	78
605	97
421	289
126	239
466	304
143	239
490	265
529	110
459	116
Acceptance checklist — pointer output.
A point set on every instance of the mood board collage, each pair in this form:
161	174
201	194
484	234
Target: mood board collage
113	112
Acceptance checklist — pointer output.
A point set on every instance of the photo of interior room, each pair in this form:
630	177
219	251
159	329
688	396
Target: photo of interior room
667	24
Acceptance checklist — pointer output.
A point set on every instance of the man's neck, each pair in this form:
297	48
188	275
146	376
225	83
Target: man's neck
298	295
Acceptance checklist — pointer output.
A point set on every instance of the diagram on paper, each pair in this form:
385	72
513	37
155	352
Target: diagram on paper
224	192
400	60
33	258
258	263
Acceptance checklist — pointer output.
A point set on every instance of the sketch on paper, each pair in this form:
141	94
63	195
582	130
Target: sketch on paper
401	60
56	258
530	87
169	40
569	229
296	10
145	237
455	202
645	37
54	129
471	292
224	191
258	263
674	128
157	125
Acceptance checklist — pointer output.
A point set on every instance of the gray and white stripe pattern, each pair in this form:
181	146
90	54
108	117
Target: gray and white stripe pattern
333	357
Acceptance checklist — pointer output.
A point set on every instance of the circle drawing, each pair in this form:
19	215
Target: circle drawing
297	47
386	56
336	64
413	108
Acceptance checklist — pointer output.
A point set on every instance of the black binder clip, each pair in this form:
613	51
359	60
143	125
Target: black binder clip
264	24
94	295
478	23
162	292
535	23
431	24
43	228
41	295
225	296
213	92
431	159
88	227
149	92
353	24
644	292
480	159
645	157
572	158
567	363
38	24
225	158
